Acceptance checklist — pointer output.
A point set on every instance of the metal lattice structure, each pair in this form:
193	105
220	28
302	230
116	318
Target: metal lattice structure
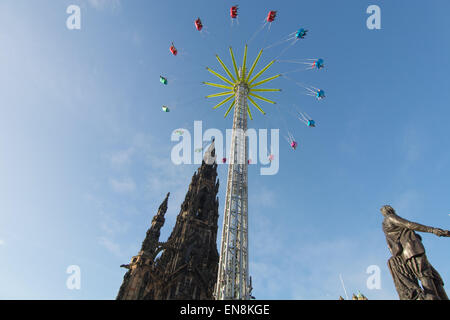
233	281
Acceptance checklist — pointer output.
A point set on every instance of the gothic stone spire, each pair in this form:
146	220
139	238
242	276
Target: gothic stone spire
185	266
138	270
152	238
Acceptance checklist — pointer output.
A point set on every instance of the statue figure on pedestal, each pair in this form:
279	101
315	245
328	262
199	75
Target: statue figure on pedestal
409	263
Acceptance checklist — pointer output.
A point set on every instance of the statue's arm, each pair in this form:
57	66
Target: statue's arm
409	224
399	221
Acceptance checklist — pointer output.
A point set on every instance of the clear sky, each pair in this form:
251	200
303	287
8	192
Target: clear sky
85	148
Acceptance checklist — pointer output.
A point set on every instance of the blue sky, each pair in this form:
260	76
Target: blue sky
85	149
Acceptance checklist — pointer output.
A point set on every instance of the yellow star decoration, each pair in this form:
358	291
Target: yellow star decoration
241	79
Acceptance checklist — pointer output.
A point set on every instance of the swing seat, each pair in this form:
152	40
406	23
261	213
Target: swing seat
301	33
271	16
173	50
320	94
198	24
319	63
234	12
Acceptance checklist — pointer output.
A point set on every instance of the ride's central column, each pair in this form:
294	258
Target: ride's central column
233	274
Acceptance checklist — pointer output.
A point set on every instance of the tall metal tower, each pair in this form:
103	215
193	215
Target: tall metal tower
233	282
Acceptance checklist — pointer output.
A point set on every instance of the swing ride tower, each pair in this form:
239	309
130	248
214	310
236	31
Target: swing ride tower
233	281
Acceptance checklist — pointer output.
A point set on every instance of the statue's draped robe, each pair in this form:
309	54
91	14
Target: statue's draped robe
409	263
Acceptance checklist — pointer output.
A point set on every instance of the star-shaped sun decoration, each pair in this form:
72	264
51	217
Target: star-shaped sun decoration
241	79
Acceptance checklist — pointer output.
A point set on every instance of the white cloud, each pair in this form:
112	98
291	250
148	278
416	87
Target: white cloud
104	4
112	226
126	185
308	267
264	197
2	242
136	39
413	145
122	157
110	245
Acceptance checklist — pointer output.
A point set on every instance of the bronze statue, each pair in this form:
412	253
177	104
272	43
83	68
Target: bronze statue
409	263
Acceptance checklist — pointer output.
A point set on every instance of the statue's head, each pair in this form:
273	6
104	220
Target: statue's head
387	210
